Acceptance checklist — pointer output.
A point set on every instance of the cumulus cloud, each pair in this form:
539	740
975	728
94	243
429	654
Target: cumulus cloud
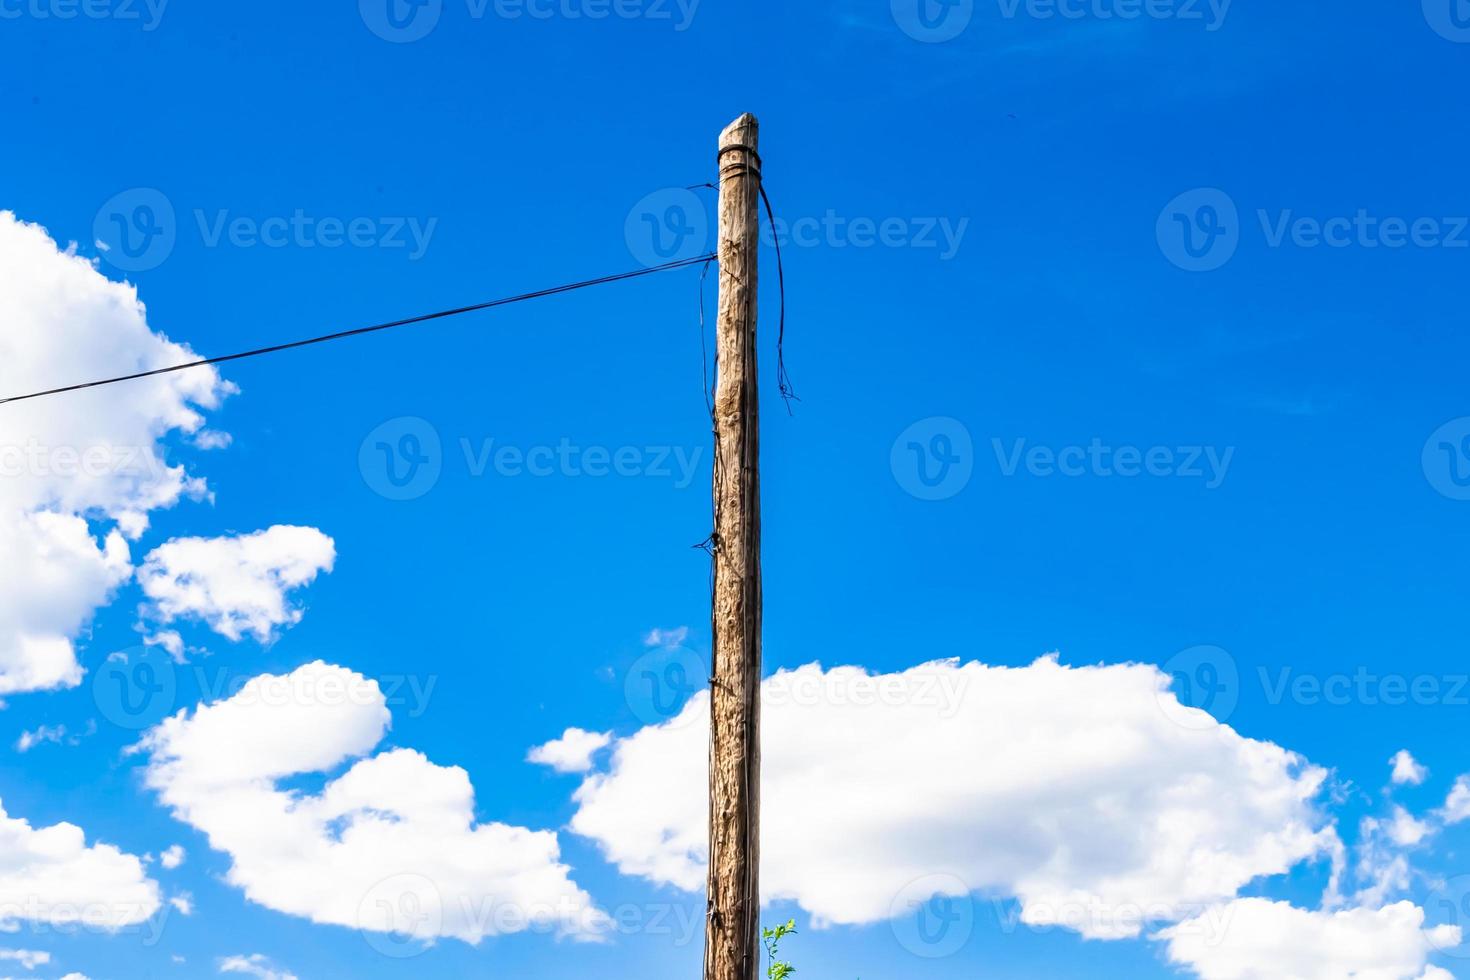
572	752
255	965
1069	788
43	734
1383	867
172	856
236	584
1405	829
1406	769
28	958
1457	805
55	575
171	642
51	875
391	845
94	456
666	637
1257	939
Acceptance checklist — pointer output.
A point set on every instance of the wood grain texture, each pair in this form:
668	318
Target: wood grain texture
732	927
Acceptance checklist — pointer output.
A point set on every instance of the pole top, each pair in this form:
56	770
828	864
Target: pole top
745	130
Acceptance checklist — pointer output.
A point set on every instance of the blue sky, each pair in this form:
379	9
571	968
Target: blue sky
1014	258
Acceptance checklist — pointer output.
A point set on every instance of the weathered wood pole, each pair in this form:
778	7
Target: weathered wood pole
732	925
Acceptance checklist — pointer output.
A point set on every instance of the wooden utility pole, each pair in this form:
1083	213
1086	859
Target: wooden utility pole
732	925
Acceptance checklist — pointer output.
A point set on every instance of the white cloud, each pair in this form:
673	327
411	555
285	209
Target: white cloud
90	455
666	637
172	856
255	965
235	584
55	575
1070	788
1406	831
28	958
170	640
389	846
1406	770
44	733
1457	805
183	903
1382	871
212	439
572	752
1257	939
51	875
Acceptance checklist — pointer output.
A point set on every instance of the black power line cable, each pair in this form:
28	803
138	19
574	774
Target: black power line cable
783	378
423	318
